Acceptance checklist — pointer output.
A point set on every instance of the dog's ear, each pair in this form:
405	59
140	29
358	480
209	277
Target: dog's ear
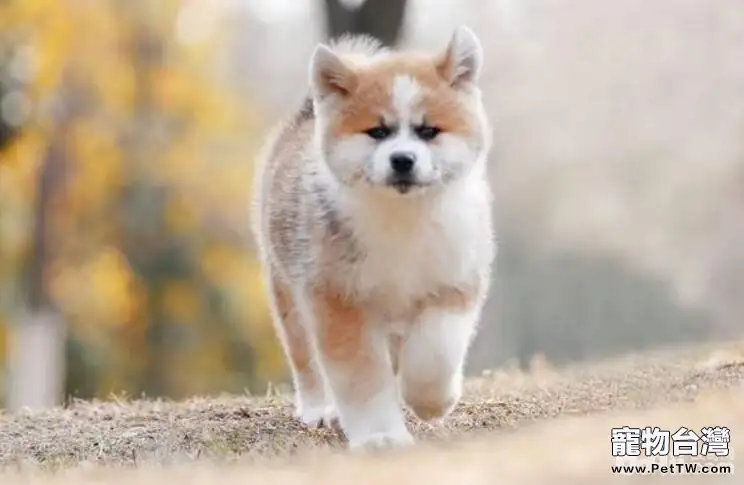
329	74
460	63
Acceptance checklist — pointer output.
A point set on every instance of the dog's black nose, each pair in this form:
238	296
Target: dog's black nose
402	162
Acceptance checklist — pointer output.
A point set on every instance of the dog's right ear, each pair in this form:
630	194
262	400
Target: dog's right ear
460	64
329	74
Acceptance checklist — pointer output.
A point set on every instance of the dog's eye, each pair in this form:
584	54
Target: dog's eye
427	133
379	132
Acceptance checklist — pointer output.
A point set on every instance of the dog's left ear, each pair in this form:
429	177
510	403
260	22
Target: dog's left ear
460	64
329	74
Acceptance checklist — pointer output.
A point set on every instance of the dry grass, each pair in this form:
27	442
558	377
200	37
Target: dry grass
234	439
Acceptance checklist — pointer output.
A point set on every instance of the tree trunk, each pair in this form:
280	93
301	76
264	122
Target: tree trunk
382	19
37	341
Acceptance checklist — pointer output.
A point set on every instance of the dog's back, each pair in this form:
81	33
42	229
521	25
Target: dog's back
279	209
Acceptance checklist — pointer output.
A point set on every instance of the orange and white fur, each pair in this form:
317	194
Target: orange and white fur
372	215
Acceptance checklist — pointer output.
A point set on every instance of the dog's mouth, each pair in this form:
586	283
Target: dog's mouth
405	184
397	185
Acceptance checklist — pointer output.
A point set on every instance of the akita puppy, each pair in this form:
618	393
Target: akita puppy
372	215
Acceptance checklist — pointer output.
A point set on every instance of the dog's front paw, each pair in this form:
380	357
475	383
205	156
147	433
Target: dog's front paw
315	417
381	441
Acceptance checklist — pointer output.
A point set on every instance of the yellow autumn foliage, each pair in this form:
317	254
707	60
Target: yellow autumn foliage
146	221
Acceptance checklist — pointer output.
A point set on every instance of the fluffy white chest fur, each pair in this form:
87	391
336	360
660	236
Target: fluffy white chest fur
416	246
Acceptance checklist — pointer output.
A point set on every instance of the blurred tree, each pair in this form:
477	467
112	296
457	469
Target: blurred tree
134	231
8	132
383	19
37	364
35	376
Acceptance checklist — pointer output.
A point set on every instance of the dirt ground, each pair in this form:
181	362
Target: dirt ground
563	417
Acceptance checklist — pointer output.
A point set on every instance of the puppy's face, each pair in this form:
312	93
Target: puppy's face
401	123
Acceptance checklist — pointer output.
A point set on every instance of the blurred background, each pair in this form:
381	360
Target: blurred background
128	131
